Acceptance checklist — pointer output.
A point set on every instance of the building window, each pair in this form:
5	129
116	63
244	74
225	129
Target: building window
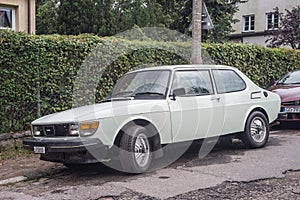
272	20
7	18
249	22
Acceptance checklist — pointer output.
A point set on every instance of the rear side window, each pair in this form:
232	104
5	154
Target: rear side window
194	82
228	81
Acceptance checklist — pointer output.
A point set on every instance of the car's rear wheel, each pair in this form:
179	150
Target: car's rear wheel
135	150
256	132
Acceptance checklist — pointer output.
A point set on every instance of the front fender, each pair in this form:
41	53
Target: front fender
110	127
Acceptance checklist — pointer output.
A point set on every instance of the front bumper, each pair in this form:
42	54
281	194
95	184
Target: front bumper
70	150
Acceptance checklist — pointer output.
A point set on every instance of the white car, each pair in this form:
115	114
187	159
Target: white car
153	107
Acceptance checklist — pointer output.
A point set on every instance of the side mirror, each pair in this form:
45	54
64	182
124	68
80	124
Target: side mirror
178	92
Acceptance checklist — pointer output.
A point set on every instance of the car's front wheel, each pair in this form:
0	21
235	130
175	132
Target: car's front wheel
135	150
256	132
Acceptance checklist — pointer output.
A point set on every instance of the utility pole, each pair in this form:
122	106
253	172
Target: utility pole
196	32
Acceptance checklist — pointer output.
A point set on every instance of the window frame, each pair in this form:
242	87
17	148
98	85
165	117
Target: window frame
194	70
273	15
13	17
142	71
247	22
227	92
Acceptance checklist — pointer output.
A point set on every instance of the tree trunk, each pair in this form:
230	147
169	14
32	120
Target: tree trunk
196	32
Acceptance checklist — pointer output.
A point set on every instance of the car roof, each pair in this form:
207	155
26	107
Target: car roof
176	67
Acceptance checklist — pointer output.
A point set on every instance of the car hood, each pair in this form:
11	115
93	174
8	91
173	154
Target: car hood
287	93
104	110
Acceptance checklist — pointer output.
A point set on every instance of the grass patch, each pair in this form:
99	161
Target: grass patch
13	152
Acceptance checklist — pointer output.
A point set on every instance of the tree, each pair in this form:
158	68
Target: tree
288	33
196	32
76	16
107	18
104	20
140	13
46	18
173	11
221	12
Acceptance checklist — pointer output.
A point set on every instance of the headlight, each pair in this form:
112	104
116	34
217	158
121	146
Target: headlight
88	128
36	131
74	130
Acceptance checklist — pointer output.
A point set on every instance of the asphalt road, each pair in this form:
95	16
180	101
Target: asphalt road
226	173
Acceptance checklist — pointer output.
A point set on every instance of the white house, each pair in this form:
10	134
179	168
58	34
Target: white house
257	18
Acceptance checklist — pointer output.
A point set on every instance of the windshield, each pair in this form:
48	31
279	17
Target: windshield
142	85
291	78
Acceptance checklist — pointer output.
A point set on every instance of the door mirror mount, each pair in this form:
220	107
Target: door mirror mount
177	92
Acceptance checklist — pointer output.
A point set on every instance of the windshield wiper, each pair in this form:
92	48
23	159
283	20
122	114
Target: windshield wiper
117	99
148	93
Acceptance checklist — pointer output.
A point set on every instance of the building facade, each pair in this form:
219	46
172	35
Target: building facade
18	15
258	18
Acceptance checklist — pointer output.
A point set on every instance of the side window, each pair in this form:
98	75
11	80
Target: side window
194	82
228	81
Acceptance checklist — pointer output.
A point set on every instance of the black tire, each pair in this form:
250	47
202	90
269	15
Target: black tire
135	150
257	130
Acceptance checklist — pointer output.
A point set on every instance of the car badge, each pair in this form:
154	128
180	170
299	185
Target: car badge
297	103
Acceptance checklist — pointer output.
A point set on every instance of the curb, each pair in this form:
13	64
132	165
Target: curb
13	180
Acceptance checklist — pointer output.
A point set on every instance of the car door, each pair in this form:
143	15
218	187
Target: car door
235	98
193	105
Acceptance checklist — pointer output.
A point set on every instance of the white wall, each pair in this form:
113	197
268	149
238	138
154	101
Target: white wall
259	8
259	40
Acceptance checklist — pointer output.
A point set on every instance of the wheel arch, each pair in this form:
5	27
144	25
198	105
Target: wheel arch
154	133
247	137
258	108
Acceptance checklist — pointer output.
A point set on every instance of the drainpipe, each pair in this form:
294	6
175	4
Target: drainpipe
29	16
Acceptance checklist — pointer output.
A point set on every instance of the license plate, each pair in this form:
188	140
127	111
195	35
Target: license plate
292	110
39	150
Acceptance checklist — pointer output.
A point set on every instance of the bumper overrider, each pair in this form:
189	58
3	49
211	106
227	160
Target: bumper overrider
73	150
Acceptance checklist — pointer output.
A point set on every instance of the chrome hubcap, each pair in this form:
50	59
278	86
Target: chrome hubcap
142	150
258	129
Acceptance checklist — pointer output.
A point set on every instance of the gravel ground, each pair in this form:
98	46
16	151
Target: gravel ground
287	188
46	176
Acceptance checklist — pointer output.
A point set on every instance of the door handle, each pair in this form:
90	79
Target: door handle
215	99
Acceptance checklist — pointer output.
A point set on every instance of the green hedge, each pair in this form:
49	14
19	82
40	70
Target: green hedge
260	64
46	67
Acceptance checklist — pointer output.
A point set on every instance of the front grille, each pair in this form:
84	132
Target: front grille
56	130
49	131
291	103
